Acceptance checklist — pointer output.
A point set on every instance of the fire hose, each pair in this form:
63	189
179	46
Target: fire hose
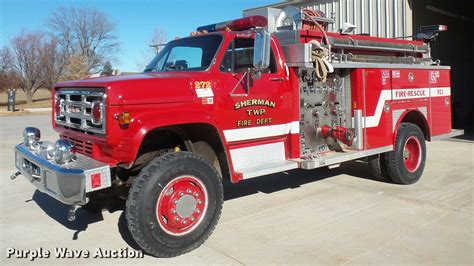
319	54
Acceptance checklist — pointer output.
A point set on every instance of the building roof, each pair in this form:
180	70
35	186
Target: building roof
282	4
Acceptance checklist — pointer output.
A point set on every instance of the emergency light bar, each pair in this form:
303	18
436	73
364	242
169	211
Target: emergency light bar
429	33
236	25
433	28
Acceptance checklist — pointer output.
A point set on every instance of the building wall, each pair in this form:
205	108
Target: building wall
382	18
454	48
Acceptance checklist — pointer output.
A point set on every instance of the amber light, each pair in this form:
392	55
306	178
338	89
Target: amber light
123	119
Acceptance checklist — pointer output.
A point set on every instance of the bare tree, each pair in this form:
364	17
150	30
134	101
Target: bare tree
153	46
27	50
53	61
8	77
85	32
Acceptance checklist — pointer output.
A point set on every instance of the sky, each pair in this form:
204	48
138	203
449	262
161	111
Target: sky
135	20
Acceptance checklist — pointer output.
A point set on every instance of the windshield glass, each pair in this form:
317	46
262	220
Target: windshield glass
189	54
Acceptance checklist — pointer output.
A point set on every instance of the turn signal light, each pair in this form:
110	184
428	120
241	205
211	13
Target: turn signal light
123	119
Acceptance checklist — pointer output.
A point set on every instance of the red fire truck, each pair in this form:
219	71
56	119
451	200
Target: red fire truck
238	100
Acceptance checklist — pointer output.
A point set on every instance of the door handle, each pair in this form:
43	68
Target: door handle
277	79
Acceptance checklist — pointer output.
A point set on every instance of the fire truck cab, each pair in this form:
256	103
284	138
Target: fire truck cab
238	100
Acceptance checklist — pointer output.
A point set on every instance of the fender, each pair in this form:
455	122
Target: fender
416	114
147	119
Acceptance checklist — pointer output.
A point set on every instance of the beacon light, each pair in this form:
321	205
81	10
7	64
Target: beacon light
236	25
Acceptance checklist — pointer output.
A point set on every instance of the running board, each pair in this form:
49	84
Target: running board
269	168
335	158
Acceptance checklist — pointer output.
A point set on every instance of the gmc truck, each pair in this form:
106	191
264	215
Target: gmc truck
238	100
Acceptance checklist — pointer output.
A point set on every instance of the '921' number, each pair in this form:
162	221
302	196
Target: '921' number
202	84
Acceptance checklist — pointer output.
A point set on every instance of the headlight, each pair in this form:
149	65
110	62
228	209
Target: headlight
63	151
96	113
31	137
58	106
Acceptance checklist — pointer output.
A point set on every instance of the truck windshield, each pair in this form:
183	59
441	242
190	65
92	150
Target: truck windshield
189	54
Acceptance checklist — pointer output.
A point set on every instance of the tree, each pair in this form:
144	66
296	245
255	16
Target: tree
75	68
152	47
27	57
8	77
107	70
53	61
86	33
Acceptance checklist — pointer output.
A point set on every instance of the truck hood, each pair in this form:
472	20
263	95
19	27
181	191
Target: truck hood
146	88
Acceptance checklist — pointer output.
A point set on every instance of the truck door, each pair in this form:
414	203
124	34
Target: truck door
255	114
251	109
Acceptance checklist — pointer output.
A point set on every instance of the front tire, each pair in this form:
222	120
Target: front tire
405	164
174	204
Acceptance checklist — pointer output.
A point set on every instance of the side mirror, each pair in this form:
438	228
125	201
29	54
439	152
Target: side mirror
261	51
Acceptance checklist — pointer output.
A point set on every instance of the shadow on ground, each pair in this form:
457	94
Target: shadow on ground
58	211
264	184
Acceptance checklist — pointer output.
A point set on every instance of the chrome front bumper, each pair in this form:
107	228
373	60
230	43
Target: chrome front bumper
68	183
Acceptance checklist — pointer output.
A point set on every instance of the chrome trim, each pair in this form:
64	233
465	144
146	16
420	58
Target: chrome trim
358	127
68	183
386	65
453	133
65	95
342	157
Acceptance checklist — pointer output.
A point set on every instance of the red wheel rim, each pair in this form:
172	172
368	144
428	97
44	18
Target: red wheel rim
412	154
182	205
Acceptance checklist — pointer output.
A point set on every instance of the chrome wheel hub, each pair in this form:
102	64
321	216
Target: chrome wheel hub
186	206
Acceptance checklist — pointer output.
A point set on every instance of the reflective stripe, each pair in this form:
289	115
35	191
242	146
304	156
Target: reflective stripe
402	94
261	132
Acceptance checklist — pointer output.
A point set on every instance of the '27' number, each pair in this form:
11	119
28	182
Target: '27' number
202	84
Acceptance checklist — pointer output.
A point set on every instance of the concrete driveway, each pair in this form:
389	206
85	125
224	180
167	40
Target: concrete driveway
338	216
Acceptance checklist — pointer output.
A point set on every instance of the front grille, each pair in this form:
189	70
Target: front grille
80	146
76	107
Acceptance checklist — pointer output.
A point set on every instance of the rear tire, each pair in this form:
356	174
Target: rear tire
174	204
405	164
378	166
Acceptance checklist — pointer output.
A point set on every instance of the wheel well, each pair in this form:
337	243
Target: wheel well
202	139
417	118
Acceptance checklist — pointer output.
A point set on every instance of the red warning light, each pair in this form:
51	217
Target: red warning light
236	25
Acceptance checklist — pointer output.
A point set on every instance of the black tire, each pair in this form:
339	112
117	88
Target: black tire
378	166
397	169
145	198
97	203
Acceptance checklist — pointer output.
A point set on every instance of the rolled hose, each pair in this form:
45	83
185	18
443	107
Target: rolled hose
309	13
319	55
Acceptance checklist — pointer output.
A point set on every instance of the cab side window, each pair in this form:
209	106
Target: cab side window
239	57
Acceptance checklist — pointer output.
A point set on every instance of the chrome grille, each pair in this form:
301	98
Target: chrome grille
76	109
80	146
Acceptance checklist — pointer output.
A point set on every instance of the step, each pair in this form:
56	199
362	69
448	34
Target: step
334	158
268	168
